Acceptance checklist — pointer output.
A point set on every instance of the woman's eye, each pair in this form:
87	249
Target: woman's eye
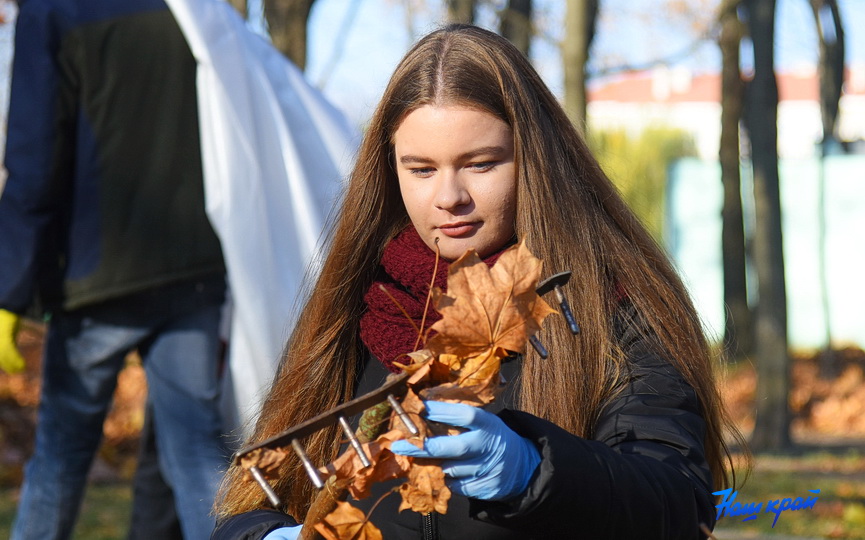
482	166
422	171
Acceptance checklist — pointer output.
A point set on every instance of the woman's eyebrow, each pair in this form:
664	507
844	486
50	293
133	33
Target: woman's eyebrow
408	158
483	150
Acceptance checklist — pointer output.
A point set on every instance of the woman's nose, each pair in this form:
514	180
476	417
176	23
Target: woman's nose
452	192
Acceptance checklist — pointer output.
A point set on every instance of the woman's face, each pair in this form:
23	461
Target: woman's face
457	178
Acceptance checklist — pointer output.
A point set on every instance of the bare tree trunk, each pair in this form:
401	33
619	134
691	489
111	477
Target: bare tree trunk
516	24
580	18
831	34
461	11
240	6
738	328
286	21
772	429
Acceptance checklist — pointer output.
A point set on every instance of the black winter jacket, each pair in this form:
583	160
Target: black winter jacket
643	475
105	194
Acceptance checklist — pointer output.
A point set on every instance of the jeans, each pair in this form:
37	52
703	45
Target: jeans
84	351
154	515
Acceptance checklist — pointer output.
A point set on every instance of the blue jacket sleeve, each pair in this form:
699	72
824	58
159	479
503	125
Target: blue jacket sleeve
38	156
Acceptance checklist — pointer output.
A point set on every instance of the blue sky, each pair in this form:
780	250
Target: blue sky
629	32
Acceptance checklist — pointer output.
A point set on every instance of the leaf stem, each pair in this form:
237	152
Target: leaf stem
372	509
402	309
428	296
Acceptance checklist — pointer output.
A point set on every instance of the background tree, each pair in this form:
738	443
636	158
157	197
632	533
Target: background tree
580	23
772	426
461	11
638	164
738	328
515	23
830	32
286	22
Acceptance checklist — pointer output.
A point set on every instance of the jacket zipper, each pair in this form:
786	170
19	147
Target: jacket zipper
429	527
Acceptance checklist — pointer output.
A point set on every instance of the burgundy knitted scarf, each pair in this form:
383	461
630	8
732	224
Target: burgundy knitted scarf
406	269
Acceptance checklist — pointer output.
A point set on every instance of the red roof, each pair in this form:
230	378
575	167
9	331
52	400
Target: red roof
672	86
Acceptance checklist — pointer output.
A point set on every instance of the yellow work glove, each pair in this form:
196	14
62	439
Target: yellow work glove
11	360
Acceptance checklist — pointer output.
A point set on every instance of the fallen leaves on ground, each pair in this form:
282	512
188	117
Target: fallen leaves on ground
833	406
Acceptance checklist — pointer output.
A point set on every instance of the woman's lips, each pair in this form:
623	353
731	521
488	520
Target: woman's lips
454	230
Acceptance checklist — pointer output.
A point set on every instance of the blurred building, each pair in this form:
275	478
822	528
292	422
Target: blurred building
676	97
823	201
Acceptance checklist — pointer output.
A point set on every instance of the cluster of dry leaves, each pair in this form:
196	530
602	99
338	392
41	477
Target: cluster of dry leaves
831	406
487	314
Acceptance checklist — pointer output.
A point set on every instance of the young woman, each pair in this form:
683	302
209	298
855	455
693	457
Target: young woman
618	434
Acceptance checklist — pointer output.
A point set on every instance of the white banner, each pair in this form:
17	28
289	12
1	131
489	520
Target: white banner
275	154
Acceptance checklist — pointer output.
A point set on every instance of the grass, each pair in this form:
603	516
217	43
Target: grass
840	508
838	513
104	513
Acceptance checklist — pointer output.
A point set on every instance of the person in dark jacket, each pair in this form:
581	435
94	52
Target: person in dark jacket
617	434
103	225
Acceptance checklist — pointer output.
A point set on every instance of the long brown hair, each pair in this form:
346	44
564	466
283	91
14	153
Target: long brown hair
570	216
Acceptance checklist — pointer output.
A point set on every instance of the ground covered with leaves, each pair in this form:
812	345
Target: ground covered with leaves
823	406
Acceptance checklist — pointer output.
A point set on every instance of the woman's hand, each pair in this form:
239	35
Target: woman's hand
489	461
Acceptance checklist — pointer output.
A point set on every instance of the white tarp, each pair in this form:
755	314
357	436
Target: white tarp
275	154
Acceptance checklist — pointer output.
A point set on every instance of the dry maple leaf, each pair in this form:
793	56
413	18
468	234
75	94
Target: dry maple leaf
486	313
477	382
431	370
489	308
452	361
414	407
476	396
481	369
267	460
347	523
385	465
417	358
425	490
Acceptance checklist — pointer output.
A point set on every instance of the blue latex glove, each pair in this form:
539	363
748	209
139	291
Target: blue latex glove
489	461
284	533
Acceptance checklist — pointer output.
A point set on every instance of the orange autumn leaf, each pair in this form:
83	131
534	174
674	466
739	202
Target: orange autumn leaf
481	369
414	407
489	308
425	490
476	382
476	396
347	523
267	460
417	358
452	361
487	314
431	370
385	465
